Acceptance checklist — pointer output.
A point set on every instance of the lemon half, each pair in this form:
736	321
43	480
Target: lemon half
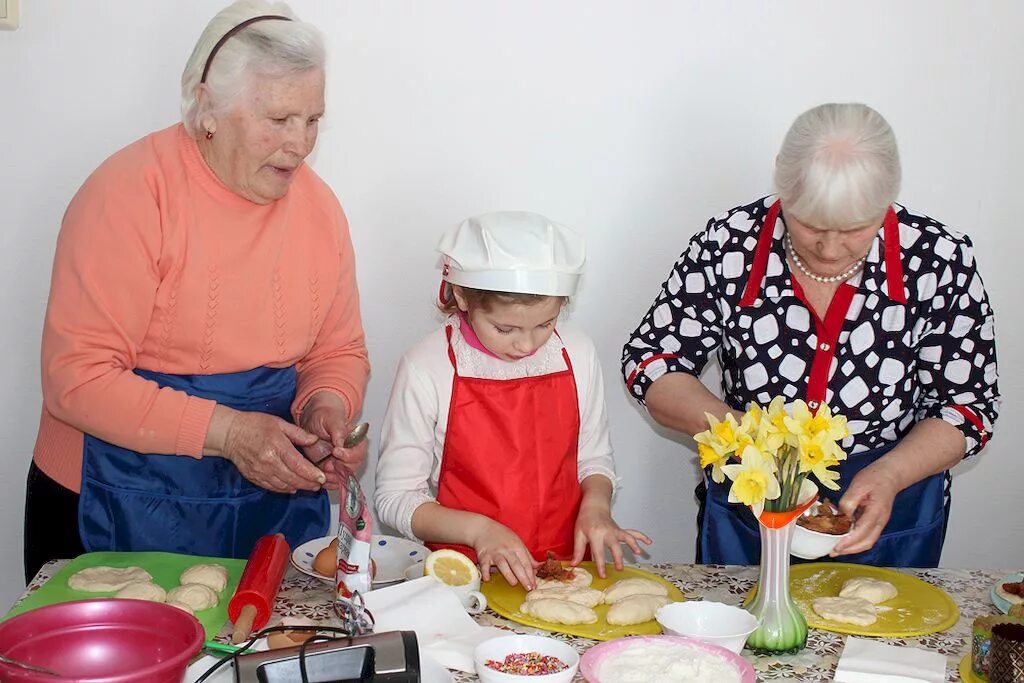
451	567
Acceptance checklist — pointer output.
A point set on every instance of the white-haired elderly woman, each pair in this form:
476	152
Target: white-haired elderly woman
832	293
203	346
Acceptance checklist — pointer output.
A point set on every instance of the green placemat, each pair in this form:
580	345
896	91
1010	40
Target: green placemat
165	568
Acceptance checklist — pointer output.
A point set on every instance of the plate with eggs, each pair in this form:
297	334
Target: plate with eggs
391	556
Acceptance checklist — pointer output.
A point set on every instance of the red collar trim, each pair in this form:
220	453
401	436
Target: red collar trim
893	259
761	252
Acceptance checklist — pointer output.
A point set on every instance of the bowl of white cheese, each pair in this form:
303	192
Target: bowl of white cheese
666	659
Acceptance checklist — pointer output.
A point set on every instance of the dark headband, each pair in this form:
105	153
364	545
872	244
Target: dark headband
226	36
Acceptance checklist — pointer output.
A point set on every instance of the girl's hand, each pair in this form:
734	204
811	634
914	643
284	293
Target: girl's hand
263	448
869	498
596	528
498	546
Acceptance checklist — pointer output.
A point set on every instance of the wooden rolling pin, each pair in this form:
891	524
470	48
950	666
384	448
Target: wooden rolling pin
253	601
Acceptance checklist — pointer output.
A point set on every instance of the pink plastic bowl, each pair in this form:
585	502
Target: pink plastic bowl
101	641
592	658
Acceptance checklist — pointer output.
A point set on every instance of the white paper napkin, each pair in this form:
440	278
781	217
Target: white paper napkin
869	661
443	629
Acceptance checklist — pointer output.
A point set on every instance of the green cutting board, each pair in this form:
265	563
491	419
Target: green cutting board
165	568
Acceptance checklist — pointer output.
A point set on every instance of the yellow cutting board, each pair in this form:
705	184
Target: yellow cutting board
165	568
505	600
918	609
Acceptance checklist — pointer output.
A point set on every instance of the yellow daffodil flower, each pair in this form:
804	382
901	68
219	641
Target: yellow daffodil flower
753	480
816	456
803	423
708	456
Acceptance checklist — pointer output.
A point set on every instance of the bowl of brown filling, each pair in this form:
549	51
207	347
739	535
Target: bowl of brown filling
819	530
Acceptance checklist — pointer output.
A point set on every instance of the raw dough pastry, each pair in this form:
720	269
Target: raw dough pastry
106	579
588	597
580	577
214	576
195	595
857	611
559	611
627	587
182	606
143	590
635	609
872	590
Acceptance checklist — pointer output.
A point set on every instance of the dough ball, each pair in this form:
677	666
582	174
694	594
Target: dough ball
636	609
182	606
214	576
559	611
195	595
143	590
326	561
627	587
872	590
588	597
106	579
857	611
580	577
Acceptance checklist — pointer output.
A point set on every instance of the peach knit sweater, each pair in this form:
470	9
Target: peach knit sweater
159	266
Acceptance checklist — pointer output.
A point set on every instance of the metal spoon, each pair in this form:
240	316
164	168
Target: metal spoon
356	436
353	439
28	667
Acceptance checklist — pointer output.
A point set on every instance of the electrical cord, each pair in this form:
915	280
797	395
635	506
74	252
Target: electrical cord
316	630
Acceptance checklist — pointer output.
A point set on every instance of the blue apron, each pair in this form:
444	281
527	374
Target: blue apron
728	533
138	502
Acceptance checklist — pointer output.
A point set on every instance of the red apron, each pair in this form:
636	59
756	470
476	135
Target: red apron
510	454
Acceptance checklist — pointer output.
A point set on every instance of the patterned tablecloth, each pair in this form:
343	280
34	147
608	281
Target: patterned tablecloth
302	595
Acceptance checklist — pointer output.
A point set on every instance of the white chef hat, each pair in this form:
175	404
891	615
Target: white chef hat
513	251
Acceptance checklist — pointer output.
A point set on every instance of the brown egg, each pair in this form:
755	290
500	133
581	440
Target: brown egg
326	561
281	639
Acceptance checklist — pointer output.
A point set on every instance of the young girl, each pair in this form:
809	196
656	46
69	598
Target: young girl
496	440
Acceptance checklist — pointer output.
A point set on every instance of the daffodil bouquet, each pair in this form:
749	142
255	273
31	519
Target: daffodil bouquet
774	450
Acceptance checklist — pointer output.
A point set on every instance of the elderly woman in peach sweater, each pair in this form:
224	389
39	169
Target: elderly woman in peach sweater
203	342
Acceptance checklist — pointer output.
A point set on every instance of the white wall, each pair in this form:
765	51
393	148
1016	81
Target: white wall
633	121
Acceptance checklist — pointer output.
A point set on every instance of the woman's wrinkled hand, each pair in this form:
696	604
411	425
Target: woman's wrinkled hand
325	415
868	501
498	546
596	528
264	449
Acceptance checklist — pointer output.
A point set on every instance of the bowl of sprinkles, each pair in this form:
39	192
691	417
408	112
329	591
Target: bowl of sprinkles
511	658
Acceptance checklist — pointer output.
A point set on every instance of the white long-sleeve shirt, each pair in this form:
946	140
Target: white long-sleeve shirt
413	434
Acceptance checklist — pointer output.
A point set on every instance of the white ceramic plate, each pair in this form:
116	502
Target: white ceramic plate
392	555
1001	603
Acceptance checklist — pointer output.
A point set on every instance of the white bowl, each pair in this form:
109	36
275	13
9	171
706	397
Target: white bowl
712	622
498	648
810	545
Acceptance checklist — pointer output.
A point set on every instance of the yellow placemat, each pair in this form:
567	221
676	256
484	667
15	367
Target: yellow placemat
165	568
505	600
918	609
967	674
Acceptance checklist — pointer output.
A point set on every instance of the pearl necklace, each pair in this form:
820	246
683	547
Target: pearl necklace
843	276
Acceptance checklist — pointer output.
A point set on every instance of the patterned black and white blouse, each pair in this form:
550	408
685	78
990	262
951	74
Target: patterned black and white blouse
909	337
